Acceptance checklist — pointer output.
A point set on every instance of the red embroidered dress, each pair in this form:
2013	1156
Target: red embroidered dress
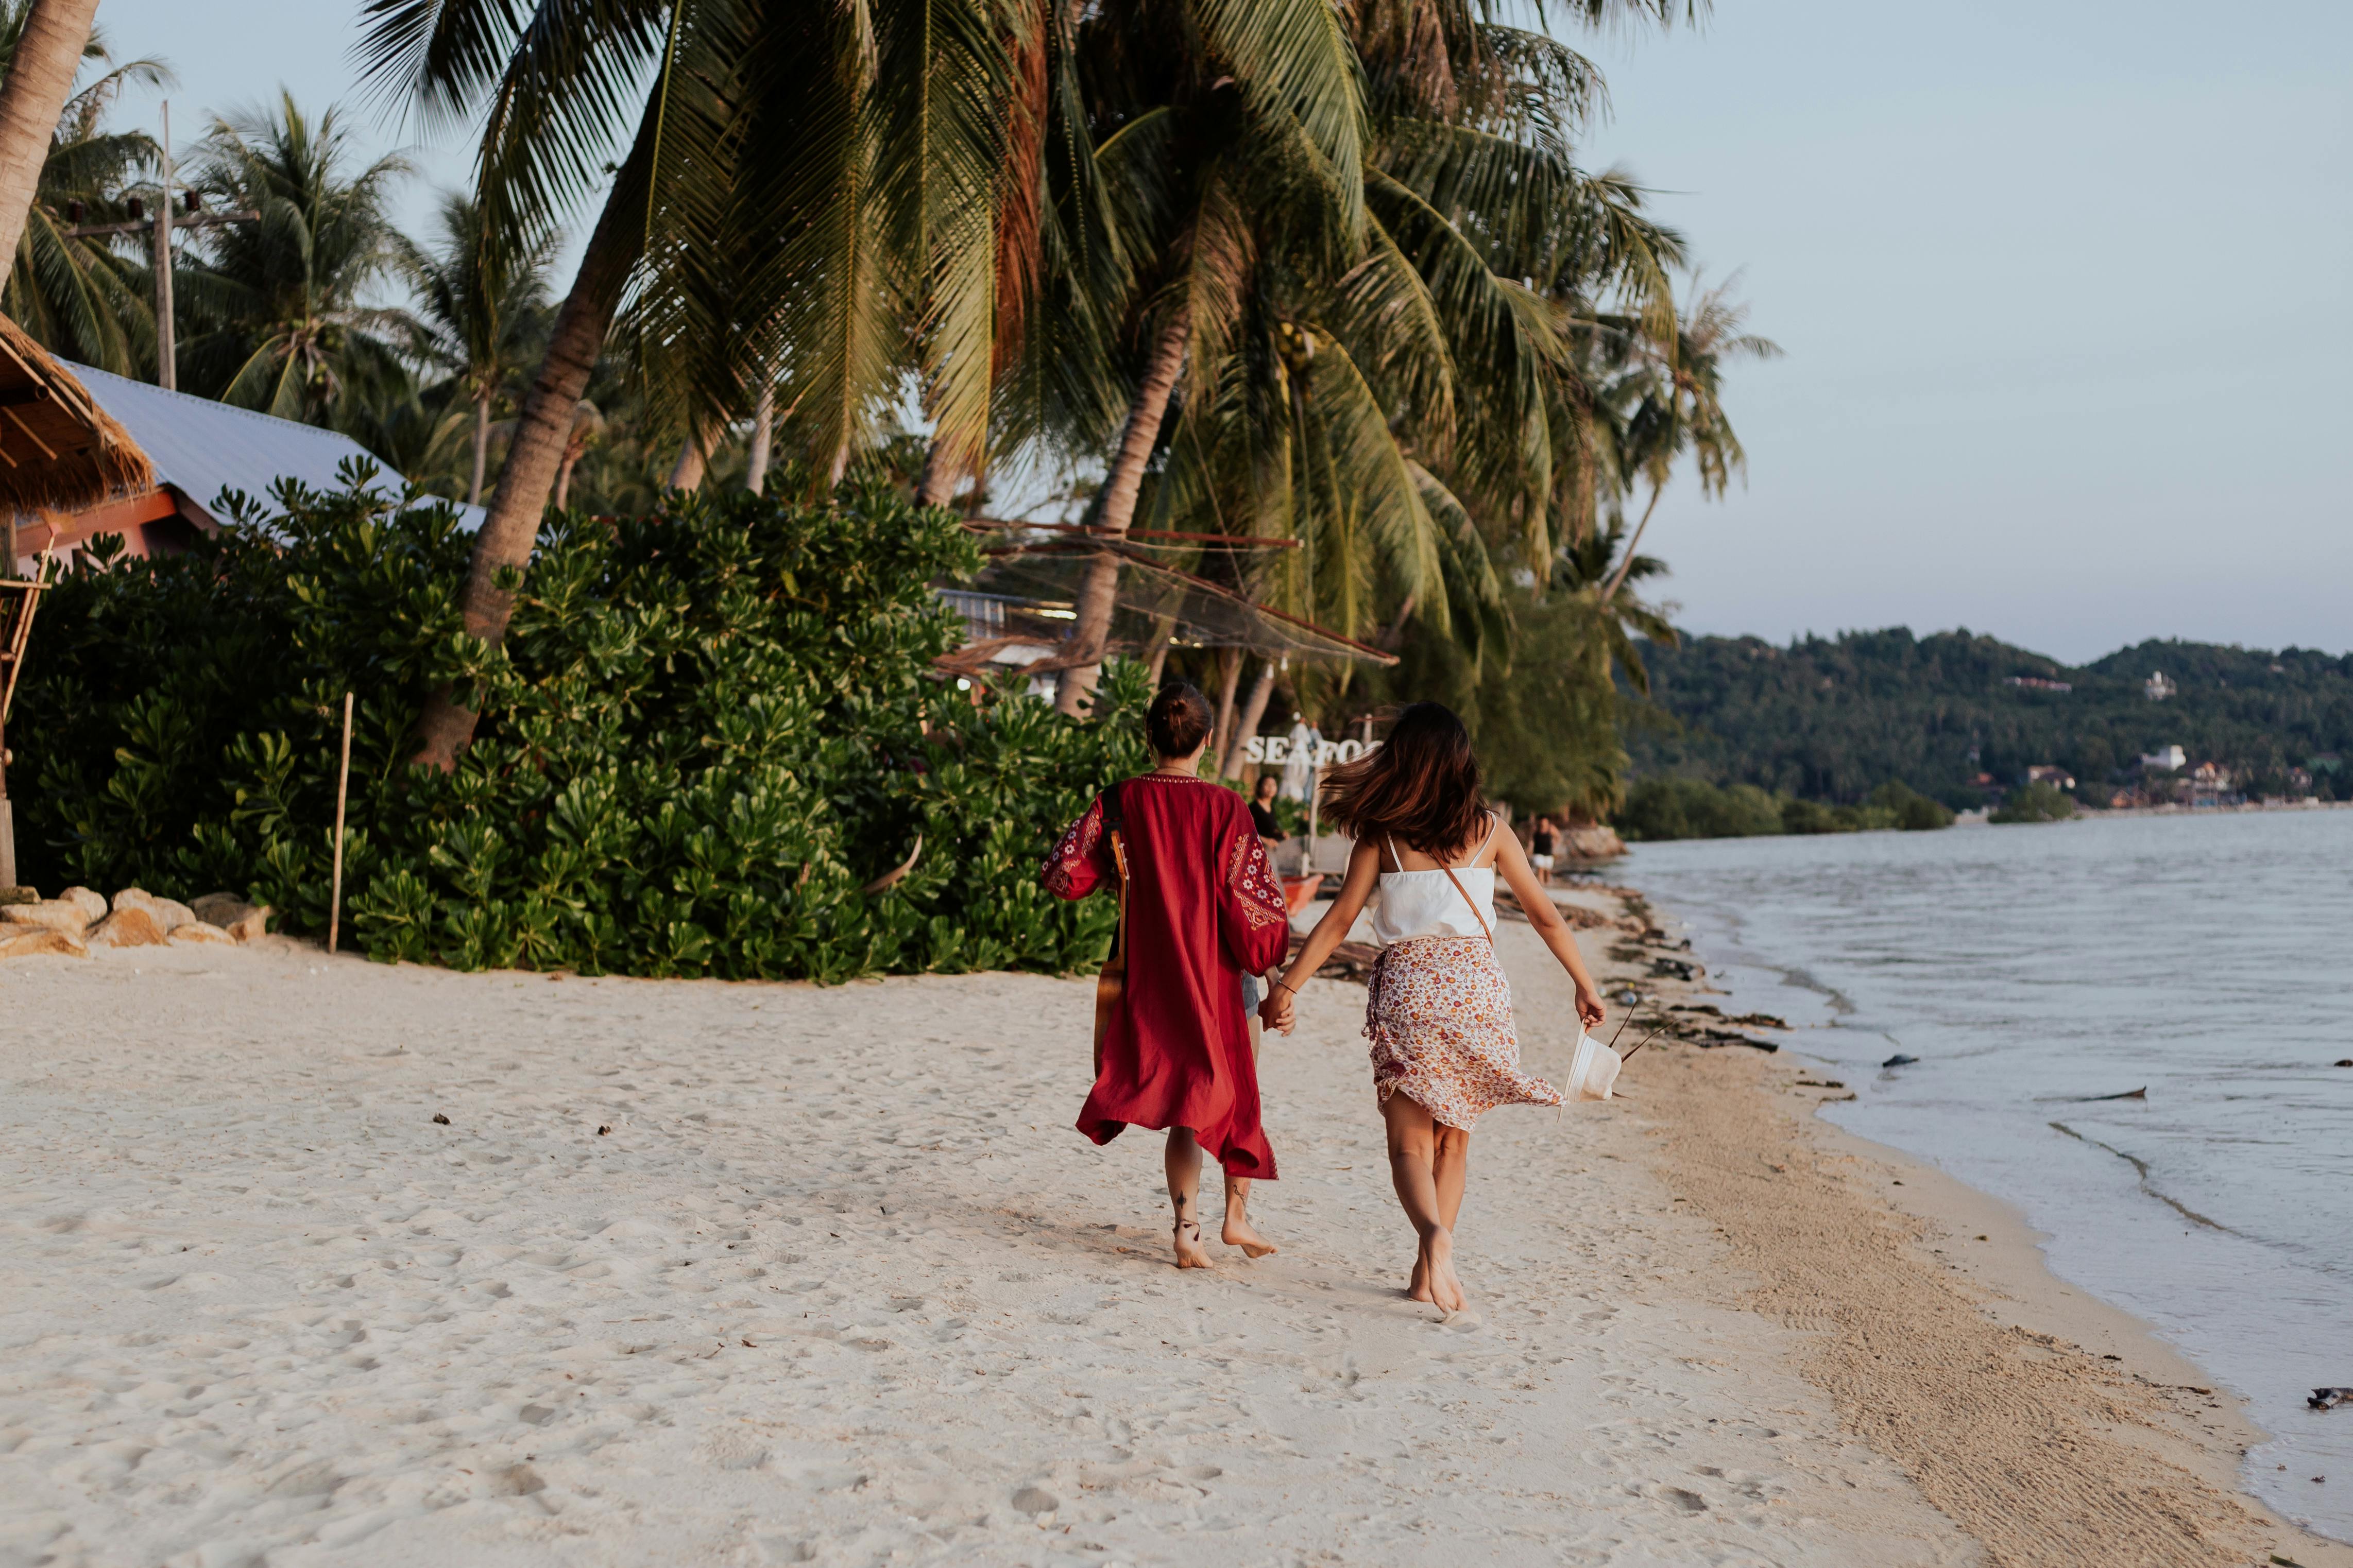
1203	907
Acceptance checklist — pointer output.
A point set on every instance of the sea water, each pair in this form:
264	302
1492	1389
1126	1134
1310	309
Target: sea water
2034	970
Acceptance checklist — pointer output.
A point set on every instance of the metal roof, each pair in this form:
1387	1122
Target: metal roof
201	447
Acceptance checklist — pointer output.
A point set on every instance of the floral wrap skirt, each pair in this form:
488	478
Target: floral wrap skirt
1439	1013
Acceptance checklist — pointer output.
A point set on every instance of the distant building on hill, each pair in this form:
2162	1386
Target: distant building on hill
2165	759
2157	687
2211	784
2037	683
2044	773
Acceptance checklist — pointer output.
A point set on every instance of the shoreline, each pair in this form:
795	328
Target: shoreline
2160	1419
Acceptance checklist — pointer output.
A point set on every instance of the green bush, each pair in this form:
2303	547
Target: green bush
2035	803
1664	808
1814	817
706	731
1906	808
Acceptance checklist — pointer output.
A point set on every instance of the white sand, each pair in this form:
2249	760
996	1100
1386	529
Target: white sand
841	1287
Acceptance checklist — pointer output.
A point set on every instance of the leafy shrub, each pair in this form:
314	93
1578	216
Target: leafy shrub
1906	808
1814	817
2035	803
705	732
1664	808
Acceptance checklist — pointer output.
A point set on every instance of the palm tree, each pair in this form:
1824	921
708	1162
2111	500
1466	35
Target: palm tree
587	429
1591	571
479	294
1679	405
1223	135
1408	403
45	54
79	297
278	306
795	176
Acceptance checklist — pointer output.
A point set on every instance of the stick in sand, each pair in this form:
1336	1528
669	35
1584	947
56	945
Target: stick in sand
1645	1040
342	788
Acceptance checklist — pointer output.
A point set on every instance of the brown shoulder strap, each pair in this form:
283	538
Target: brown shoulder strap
1116	832
1474	908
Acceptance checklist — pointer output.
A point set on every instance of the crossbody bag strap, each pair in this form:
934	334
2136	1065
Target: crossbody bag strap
1116	828
1474	908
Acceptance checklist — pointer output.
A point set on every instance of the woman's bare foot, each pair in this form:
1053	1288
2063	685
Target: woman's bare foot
1191	1254
1435	1267
1237	1232
1418	1288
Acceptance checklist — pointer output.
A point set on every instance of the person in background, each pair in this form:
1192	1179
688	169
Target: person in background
1204	910
1540	845
1299	758
1263	795
1439	1012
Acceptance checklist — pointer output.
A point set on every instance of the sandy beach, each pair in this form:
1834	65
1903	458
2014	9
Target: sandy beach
697	1272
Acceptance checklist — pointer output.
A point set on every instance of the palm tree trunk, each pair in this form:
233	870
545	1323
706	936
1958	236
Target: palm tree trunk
1627	560
936	485
1229	681
687	473
1121	487
40	75
481	446
1253	710
543	431
1156	658
563	480
764	435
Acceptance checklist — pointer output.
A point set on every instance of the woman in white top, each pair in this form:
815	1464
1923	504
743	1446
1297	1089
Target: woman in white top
1440	1010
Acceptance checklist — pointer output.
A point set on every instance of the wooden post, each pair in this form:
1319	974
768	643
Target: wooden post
19	631
1315	799
167	347
342	788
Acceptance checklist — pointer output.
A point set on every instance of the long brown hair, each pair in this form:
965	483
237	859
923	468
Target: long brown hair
1421	788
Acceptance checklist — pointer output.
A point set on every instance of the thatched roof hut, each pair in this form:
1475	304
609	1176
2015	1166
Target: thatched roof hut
58	451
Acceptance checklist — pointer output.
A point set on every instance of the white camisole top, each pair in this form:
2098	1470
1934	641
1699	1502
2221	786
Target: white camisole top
1424	903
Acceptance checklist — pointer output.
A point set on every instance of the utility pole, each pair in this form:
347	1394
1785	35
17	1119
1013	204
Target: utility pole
167	340
167	357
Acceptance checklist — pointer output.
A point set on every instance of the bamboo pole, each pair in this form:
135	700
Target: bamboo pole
12	665
342	790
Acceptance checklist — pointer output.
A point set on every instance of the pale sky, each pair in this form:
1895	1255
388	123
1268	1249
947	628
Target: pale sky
2067	295
2067	292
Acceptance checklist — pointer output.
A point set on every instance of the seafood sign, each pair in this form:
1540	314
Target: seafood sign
1276	749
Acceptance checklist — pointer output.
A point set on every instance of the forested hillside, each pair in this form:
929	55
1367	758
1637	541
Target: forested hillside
1831	719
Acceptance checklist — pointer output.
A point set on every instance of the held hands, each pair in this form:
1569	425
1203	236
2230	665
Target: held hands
1589	1008
1276	1012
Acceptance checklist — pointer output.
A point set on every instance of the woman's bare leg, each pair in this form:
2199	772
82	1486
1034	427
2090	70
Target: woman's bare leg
1183	1159
1450	1167
1413	1137
1238	1231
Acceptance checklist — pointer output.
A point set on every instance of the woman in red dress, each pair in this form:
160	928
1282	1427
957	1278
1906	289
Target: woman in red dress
1203	910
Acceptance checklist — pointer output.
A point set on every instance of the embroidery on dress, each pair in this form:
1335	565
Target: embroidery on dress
1252	879
1077	850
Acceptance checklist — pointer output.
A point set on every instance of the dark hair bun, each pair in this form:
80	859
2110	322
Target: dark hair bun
1178	720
